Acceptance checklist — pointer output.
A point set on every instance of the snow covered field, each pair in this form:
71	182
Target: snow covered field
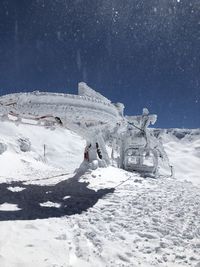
183	149
107	217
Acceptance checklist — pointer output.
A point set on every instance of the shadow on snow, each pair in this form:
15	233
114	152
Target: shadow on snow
73	197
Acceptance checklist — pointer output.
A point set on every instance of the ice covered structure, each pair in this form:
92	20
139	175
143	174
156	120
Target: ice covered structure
88	109
138	149
88	113
94	117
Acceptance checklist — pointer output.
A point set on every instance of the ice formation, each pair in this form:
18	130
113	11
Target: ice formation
96	119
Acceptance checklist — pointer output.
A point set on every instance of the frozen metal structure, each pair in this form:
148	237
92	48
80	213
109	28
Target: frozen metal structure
87	109
94	117
88	113
139	149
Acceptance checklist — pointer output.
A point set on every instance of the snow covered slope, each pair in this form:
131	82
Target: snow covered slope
183	149
63	151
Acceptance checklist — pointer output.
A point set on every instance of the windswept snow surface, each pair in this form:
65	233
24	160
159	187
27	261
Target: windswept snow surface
183	150
141	222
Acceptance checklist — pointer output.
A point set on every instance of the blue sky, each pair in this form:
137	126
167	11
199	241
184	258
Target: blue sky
141	53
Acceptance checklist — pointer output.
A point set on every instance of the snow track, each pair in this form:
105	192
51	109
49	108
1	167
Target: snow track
145	222
156	224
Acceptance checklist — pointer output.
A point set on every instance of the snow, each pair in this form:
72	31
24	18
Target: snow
16	188
8	207
50	204
53	214
184	154
64	151
140	224
109	177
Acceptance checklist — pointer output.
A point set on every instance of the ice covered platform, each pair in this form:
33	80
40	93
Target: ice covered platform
88	108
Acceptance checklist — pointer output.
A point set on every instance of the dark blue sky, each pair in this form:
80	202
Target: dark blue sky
142	53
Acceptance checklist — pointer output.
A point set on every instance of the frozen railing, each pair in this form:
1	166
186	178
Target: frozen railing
61	96
59	100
